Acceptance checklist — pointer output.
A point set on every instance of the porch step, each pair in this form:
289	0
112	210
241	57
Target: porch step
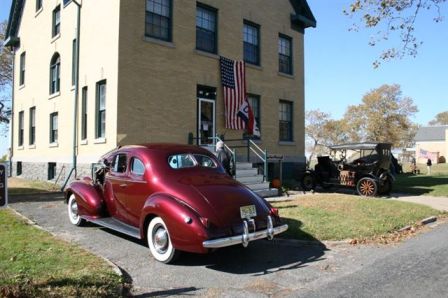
244	166
246	172
250	179
265	193
119	226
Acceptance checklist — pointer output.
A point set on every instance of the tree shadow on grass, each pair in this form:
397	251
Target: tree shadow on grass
418	184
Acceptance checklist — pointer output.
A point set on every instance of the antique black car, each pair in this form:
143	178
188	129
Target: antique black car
363	166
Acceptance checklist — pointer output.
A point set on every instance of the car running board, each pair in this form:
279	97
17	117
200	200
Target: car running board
117	225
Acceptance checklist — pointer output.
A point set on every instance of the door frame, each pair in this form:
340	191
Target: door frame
198	121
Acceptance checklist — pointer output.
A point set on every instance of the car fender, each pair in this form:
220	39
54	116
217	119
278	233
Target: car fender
184	224
88	197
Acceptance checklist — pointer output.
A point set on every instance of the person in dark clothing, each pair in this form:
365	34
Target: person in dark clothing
224	157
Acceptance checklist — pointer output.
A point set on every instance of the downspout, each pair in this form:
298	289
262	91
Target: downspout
75	104
12	111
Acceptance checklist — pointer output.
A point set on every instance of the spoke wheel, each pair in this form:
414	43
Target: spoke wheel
72	208
308	183
159	241
367	187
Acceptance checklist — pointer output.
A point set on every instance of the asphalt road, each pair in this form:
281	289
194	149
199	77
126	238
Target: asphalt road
415	268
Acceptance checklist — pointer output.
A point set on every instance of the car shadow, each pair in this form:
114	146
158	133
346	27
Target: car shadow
260	257
36	197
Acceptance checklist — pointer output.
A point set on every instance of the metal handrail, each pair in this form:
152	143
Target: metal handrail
264	158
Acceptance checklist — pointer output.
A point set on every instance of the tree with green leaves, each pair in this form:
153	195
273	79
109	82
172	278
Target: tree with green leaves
383	116
394	17
440	119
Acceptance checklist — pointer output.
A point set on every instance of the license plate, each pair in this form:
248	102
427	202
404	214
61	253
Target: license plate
248	211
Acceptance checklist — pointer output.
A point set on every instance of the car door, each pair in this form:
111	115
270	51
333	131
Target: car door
118	180
137	190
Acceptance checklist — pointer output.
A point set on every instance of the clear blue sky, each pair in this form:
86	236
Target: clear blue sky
339	68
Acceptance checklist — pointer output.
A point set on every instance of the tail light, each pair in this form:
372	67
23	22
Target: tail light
274	212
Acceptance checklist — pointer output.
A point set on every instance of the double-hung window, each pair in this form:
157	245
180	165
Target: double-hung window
158	19
38	5
32	134
55	71
251	36
21	127
84	114
22	69
56	21
101	109
285	54
54	127
285	121
206	29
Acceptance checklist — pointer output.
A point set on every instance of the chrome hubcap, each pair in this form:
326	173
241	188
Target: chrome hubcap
74	209
160	239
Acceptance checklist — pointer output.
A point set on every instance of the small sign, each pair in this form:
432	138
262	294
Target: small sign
3	186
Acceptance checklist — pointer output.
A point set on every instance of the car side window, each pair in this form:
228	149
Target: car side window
180	161
137	167
204	161
119	163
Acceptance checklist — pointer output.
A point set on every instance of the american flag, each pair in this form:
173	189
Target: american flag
233	80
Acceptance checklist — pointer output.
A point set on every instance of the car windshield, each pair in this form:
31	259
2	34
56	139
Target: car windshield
186	160
366	155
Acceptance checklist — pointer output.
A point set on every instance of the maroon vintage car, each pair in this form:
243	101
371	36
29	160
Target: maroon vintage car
176	197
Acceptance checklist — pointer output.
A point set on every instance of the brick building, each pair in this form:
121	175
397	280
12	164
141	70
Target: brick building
149	72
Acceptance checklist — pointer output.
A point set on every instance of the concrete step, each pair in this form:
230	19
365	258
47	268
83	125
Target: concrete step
251	179
246	173
268	192
258	186
243	166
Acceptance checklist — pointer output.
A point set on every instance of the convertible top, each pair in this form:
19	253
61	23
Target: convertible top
361	146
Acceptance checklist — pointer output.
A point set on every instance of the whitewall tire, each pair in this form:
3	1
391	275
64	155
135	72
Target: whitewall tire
73	215
159	241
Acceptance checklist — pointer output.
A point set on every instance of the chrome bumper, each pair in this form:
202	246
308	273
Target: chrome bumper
245	237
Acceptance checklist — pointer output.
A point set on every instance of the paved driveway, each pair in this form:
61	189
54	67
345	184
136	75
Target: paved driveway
265	268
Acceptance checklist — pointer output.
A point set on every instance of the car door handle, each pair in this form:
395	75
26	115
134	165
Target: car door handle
123	185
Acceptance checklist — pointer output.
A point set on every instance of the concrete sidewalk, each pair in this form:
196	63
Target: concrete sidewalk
438	203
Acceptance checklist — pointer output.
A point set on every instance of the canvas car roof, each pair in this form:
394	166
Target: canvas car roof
358	146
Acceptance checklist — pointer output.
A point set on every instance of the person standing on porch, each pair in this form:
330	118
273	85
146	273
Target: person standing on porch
428	165
223	157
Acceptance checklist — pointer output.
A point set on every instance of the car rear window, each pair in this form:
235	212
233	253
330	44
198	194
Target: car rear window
185	160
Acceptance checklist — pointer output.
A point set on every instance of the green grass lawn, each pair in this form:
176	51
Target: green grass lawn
35	264
18	186
339	217
435	184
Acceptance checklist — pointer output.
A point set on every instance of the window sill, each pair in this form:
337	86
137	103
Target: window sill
54	95
254	66
289	76
39	11
160	42
56	37
83	142
207	54
32	146
54	145
100	141
287	143
20	147
72	88
21	86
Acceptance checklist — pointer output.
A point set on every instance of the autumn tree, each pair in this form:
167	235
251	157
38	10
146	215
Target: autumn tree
394	18
5	79
322	131
383	116
440	119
